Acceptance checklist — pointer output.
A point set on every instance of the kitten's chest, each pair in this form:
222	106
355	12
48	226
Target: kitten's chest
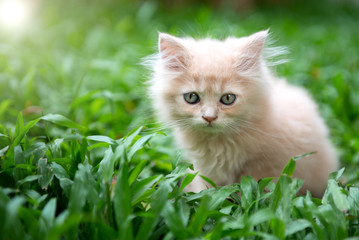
218	157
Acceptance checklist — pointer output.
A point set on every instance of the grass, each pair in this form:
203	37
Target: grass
72	103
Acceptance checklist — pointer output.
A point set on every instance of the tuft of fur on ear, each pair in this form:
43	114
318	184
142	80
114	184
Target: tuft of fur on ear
251	51
172	52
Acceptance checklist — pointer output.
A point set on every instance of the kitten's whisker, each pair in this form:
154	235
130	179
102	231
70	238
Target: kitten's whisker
250	125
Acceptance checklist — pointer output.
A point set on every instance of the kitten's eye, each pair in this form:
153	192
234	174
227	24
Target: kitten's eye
191	98
228	99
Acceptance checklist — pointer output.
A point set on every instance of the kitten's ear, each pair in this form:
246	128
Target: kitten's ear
251	50
172	52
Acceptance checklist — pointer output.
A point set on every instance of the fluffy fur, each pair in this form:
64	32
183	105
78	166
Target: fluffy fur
269	122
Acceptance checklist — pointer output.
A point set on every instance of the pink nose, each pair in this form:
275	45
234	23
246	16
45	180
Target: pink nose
209	118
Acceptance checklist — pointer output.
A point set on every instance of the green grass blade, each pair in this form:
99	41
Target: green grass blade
23	131
209	181
48	213
30	178
158	202
200	217
140	188
131	136
61	120
107	166
289	168
136	171
18	172
139	144
174	221
261	216
296	226
19	125
187	180
122	204
3	151
46	173
101	138
337	194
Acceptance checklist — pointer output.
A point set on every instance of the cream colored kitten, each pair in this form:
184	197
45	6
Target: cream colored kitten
233	117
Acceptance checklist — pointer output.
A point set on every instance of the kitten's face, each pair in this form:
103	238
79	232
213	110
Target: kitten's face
208	103
207	85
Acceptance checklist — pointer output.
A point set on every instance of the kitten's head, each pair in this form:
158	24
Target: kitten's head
209	85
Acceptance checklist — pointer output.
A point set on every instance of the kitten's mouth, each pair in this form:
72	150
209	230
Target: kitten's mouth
209	127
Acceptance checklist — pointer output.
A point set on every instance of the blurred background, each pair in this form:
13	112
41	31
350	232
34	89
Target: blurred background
82	58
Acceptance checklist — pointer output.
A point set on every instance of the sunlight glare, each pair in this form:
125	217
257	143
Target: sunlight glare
13	13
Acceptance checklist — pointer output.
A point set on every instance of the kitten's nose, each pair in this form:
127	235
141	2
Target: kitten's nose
209	118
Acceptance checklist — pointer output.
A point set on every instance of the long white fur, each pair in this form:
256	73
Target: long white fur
269	122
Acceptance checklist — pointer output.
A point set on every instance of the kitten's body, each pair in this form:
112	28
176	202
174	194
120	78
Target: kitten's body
269	122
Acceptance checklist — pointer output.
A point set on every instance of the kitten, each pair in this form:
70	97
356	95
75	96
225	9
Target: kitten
233	117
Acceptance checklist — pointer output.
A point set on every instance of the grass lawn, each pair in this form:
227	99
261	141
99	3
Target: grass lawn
74	117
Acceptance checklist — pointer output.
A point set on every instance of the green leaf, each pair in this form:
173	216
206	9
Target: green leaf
30	220
261	216
3	151
289	168
276	197
336	175
183	210
296	226
98	145
22	131
83	149
19	173
107	166
336	193
56	148
220	195
354	196
61	120
12	209
263	183
36	150
73	136
136	171
209	181
278	228
12	221
122	204
158	201
246	186
187	180
101	138
141	187
139	144
19	125
303	156
48	213
131	136
216	231
61	174
174	221
200	217
45	172
105	231
83	189
59	171
29	178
